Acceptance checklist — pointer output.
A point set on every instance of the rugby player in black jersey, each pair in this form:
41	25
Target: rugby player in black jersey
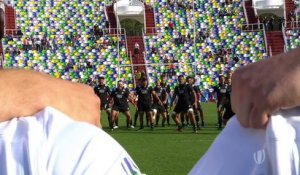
145	94
221	91
159	109
164	84
120	97
191	82
103	92
227	105
184	93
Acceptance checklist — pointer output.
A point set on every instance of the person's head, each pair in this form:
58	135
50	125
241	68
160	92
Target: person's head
101	80
221	79
229	74
190	80
228	81
181	80
144	82
120	84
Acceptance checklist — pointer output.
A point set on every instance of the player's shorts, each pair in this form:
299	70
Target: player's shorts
228	113
144	107
120	108
104	106
159	108
182	108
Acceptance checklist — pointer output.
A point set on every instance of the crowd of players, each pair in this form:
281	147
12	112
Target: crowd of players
156	102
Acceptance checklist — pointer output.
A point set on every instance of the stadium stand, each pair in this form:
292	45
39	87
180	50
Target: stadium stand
220	27
71	51
223	40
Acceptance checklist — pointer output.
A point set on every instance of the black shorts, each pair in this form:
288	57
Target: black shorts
104	106
120	108
144	107
159	108
228	113
182	108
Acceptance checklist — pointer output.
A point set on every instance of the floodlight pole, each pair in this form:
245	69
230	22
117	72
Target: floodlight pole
118	45
194	21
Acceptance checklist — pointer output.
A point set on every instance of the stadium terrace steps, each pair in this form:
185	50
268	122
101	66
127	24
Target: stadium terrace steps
252	19
149	16
139	58
111	17
275	41
10	19
289	6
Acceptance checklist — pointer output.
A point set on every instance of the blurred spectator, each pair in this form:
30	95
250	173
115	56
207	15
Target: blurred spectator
136	48
271	23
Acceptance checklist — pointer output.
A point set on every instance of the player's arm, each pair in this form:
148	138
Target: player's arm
156	97
108	92
132	98
173	98
195	97
24	93
165	100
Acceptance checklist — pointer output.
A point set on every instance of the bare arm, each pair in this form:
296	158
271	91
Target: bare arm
24	93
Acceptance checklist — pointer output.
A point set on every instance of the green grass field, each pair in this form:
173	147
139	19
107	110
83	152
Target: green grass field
164	151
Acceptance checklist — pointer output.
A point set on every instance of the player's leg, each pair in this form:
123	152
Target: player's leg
168	114
196	116
136	116
141	117
113	115
108	111
156	115
164	115
220	116
151	118
176	118
190	114
201	115
128	119
182	119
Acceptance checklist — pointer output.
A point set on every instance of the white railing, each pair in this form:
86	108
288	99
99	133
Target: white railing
252	27
284	38
132	70
284	12
245	12
292	25
270	49
265	38
152	30
126	42
107	32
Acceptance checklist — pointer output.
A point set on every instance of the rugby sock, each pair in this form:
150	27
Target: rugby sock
168	119
219	123
136	115
157	120
163	122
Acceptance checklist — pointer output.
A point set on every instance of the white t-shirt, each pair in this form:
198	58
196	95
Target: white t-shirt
239	150
52	143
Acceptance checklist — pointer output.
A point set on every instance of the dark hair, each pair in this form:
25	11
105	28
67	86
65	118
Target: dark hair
188	77
220	76
101	78
180	76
